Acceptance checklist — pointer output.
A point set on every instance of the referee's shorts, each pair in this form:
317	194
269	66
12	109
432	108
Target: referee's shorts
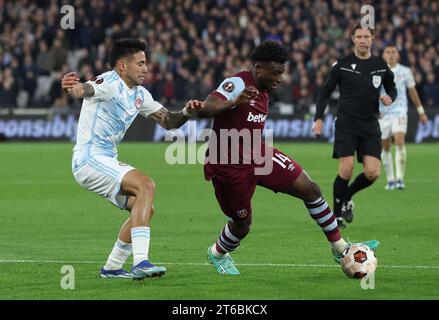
363	138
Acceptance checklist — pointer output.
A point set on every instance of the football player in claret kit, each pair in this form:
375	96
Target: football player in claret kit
239	106
111	103
393	121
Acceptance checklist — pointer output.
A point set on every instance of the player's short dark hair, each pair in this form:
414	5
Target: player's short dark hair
358	26
124	47
270	51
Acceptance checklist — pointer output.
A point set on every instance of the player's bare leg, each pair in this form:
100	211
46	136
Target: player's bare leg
142	189
400	159
307	190
341	184
122	249
386	157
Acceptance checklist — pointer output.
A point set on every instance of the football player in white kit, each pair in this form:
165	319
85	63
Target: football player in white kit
393	121
111	103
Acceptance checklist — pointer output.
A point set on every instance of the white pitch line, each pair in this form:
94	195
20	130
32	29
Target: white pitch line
285	265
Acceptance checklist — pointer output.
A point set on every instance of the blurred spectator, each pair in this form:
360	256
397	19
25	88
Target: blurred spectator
8	89
431	91
195	44
44	59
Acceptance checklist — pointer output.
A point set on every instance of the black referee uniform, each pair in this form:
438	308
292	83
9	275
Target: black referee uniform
356	125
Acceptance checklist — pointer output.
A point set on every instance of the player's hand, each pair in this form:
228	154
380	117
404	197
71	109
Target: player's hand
386	100
192	107
248	94
317	127
69	81
423	118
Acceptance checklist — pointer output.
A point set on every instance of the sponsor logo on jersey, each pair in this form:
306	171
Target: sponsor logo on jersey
97	80
353	66
228	86
242	213
138	103
376	81
256	117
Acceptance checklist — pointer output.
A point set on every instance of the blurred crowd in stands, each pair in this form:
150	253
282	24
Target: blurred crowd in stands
195	44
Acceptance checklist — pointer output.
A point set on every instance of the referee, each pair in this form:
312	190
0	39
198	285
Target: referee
360	77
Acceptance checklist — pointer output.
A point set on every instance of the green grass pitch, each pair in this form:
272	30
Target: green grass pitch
48	221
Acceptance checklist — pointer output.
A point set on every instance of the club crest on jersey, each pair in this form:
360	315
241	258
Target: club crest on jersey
138	103
97	80
228	86
376	81
242	213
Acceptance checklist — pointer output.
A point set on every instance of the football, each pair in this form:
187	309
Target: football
358	261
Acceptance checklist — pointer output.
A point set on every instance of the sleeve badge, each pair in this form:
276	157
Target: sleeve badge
228	86
97	80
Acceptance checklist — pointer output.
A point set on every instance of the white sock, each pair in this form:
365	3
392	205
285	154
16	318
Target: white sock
215	252
400	161
120	253
339	245
140	239
387	158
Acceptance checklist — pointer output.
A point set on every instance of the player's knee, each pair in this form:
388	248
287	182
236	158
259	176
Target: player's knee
147	185
244	231
372	174
346	172
241	228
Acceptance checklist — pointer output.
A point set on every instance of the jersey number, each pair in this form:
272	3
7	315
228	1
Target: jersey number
282	157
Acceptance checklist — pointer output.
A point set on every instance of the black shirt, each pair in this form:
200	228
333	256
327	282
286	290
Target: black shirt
360	82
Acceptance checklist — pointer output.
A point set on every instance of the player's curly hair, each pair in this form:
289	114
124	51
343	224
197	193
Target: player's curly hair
270	51
124	47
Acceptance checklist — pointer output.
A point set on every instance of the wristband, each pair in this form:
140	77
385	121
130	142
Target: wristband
186	113
421	110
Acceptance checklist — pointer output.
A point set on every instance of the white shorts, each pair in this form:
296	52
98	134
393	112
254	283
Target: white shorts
103	175
390	125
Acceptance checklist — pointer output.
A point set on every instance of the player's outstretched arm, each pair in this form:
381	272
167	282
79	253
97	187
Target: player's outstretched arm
172	120
413	93
70	83
213	105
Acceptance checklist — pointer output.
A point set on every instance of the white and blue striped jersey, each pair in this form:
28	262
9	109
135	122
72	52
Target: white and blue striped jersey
403	80
106	116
